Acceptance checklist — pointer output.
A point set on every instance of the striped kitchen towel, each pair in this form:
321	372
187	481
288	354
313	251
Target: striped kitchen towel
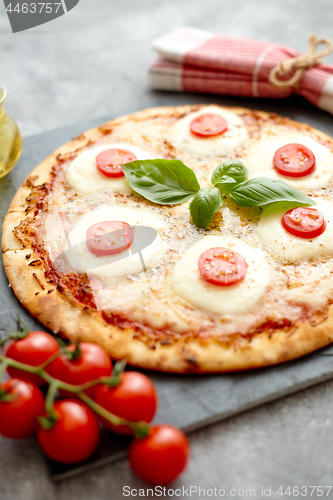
195	60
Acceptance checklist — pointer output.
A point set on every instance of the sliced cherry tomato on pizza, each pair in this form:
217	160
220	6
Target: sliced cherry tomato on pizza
208	125
304	222
161	456
75	435
294	160
135	399
34	349
221	266
21	403
92	362
110	161
109	237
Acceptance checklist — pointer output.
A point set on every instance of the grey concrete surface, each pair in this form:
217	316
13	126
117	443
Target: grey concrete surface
92	62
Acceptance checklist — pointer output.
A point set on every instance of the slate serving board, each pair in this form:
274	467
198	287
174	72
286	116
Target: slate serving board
189	402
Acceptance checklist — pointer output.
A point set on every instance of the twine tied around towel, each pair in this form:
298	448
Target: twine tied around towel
300	64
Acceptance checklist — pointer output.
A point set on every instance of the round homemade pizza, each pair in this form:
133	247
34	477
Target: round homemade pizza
187	239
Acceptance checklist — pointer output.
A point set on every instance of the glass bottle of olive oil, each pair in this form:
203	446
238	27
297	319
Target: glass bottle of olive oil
10	138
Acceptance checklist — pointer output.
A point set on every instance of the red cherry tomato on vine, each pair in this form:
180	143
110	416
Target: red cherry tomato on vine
18	414
75	434
92	363
208	125
221	266
34	349
109	237
135	399
160	458
294	160
110	161
304	222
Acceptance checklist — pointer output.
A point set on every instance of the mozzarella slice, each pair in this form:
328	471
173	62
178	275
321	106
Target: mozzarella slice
288	248
230	300
235	136
259	159
126	263
84	176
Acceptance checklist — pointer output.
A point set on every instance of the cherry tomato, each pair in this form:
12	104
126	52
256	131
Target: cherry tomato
75	435
160	458
208	125
294	160
221	266
93	363
304	222
34	349
110	161
109	237
18	415
135	399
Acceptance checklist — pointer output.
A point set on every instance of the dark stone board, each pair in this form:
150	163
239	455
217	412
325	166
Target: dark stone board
190	402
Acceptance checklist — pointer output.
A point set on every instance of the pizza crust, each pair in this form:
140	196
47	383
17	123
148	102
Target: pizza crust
59	312
184	356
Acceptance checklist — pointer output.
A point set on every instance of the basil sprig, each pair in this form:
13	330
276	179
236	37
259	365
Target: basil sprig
167	182
170	182
261	191
205	203
228	175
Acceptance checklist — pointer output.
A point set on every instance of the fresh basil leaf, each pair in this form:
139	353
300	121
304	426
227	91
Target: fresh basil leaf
228	174
204	205
261	191
226	183
167	182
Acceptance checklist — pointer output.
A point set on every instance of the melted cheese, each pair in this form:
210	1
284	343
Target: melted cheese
164	299
126	263
84	177
230	300
286	247
259	159
235	136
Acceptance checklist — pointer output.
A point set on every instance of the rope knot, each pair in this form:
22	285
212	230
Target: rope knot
300	64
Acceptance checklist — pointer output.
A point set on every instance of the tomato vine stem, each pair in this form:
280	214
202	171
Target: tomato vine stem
140	429
3	367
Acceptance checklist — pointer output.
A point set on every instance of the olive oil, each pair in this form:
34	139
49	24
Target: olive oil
10	138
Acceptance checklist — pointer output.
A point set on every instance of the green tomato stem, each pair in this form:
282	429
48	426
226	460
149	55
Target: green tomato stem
137	427
50	396
3	368
140	429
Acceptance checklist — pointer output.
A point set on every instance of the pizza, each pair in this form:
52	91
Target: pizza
94	260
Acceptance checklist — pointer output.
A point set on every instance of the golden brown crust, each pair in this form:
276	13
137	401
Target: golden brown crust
61	314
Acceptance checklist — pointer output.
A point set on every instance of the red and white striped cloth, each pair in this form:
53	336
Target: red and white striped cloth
195	60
